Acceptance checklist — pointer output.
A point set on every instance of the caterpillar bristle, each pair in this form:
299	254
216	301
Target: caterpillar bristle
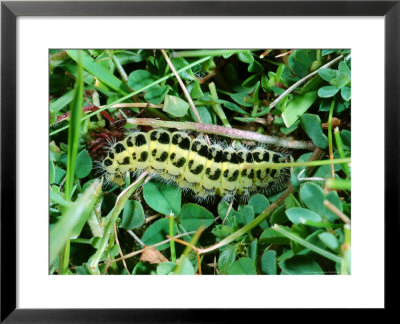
188	162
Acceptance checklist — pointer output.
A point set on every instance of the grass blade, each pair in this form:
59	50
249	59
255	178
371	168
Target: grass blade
77	213
74	131
61	102
306	244
111	219
99	71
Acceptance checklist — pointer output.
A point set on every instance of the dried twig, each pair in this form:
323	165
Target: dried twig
196	113
187	95
337	211
223	131
119	246
294	86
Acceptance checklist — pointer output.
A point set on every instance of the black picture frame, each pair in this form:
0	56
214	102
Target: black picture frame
10	10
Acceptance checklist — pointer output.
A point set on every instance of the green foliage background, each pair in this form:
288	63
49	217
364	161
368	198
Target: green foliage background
233	88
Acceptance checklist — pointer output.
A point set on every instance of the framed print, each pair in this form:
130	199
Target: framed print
164	158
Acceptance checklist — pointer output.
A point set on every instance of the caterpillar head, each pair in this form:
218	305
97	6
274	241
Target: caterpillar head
112	172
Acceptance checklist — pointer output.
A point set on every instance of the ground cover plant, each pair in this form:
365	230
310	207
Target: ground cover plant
287	110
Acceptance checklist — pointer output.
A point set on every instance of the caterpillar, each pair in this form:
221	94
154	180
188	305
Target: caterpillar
206	169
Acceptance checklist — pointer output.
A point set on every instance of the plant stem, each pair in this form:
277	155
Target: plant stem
340	149
138	240
341	184
337	211
120	69
119	247
189	247
330	136
217	107
171	234
346	251
223	131
73	143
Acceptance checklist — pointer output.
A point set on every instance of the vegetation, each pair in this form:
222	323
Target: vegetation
297	101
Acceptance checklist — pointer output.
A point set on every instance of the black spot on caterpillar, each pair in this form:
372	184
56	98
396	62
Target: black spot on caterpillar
192	164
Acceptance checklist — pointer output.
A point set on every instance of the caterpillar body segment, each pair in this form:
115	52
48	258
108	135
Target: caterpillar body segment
193	164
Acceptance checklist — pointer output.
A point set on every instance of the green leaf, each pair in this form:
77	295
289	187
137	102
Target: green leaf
133	215
110	221
299	215
242	98
328	91
255	67
288	130
73	219
61	102
57	198
325	52
245	215
166	268
222	231
268	262
193	216
328	74
279	216
141	78
312	126
344	68
313	197
243	266
223	208
175	106
346	93
259	203
156	95
329	240
186	268
252	251
52	172
206	115
162	197
245	56
271	236
226	258
84	164
232	106
157	232
300	61
301	265
142	268
180	62
346	137
297	107
59	175
334	198
194	90
295	238
99	71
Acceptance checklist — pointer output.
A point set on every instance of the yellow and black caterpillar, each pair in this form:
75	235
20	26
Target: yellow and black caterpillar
193	164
